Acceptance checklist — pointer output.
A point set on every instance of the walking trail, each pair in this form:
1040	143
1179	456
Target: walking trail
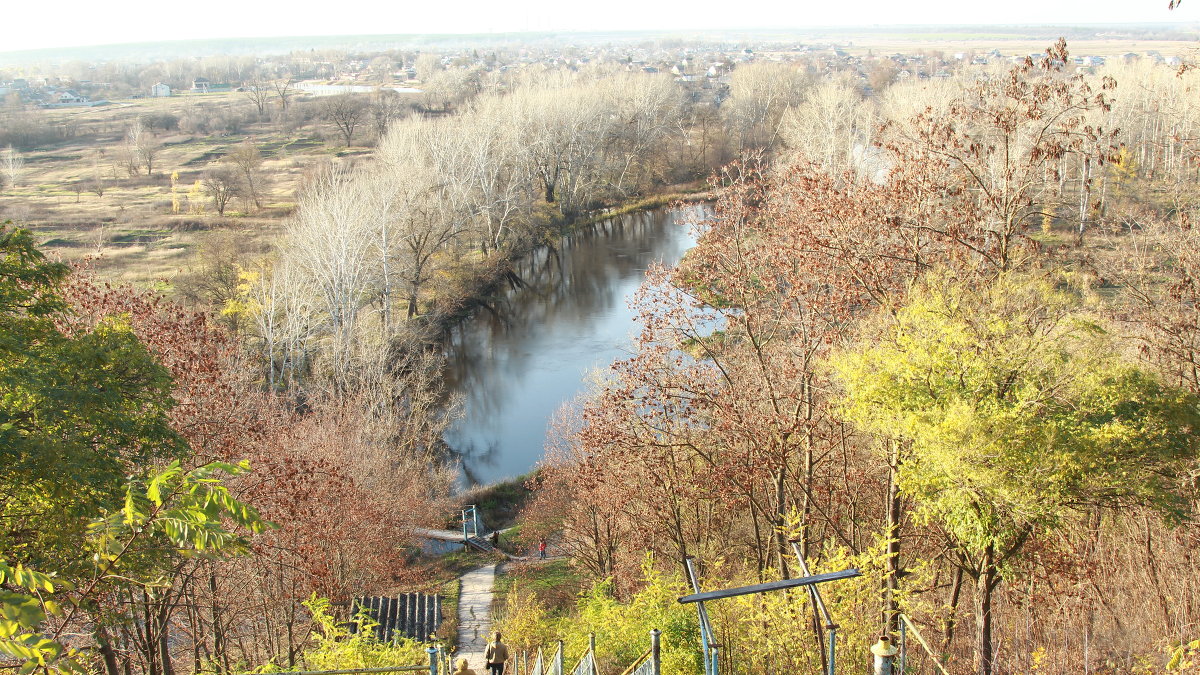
475	615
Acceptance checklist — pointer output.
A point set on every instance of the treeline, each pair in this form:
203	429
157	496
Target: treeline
381	253
946	337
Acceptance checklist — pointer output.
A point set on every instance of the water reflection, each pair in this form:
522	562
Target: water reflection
516	364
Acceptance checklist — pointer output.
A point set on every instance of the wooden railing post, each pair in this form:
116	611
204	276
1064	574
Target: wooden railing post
655	654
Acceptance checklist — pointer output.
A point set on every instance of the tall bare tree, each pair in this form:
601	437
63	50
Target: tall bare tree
346	112
248	161
259	93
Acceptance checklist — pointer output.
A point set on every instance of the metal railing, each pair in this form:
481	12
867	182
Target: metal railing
587	662
556	665
711	650
814	593
649	663
538	667
471	526
708	641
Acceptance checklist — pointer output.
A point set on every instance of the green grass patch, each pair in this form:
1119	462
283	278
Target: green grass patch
499	503
460	562
555	583
61	243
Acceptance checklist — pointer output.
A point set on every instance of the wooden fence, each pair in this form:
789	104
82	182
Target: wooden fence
413	615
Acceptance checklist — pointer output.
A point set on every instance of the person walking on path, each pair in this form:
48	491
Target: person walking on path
463	668
542	549
496	655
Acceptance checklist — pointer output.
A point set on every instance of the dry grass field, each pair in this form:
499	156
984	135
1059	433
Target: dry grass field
144	228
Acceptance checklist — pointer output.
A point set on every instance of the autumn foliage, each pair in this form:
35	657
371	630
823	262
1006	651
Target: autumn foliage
730	431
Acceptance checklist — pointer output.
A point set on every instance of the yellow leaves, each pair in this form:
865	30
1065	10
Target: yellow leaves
336	647
1037	658
23	613
1015	403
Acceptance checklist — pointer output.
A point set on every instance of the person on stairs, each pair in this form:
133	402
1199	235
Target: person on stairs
496	655
463	668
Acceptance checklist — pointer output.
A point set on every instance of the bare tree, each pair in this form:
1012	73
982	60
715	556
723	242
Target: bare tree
12	164
141	147
346	111
329	244
759	95
387	107
96	182
284	319
829	124
222	185
283	91
448	88
248	161
258	93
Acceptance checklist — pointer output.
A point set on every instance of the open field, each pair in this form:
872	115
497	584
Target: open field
83	202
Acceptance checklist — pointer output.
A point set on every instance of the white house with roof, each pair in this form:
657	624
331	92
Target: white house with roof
69	97
160	90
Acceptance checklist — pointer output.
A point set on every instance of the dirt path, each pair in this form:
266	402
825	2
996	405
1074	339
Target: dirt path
475	615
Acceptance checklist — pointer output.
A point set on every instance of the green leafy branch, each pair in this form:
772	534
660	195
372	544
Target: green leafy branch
190	511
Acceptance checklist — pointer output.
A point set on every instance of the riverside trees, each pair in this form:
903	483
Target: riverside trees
444	196
724	435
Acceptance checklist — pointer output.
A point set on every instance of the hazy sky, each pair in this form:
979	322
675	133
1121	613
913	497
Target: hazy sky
33	24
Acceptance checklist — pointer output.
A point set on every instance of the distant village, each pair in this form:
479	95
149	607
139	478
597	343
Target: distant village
704	66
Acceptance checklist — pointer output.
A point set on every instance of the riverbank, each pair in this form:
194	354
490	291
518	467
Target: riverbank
531	350
497	271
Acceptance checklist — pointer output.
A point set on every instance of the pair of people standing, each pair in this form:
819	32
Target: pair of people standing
495	656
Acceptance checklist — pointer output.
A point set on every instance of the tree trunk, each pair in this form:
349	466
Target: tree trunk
219	656
952	619
985	583
106	652
781	543
891	608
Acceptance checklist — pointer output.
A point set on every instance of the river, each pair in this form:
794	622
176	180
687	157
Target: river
515	367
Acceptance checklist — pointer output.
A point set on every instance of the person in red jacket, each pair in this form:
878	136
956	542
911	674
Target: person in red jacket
542	549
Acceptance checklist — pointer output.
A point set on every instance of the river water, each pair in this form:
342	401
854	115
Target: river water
516	366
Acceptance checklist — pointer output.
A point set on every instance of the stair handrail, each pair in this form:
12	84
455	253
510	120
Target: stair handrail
649	662
587	663
906	622
637	663
556	666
